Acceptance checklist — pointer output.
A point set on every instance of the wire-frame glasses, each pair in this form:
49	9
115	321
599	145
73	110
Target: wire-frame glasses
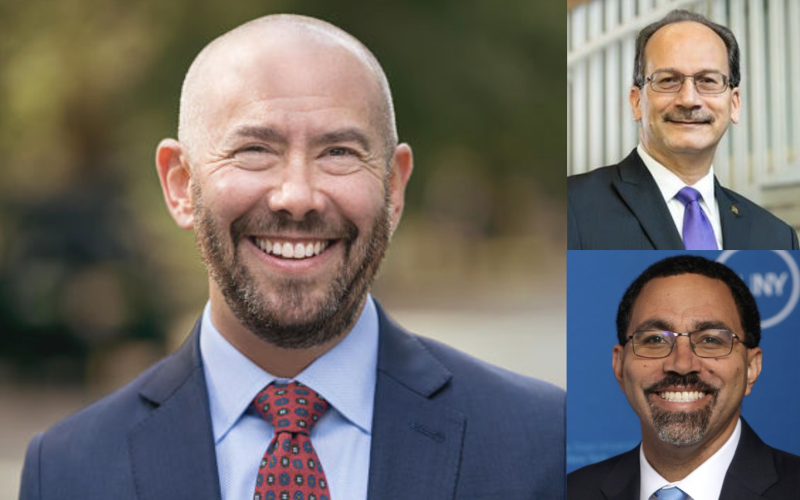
709	343
671	82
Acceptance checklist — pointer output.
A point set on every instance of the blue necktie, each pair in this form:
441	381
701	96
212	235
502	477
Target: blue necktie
671	494
697	231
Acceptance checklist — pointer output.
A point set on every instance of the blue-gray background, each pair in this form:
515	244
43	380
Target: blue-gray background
600	423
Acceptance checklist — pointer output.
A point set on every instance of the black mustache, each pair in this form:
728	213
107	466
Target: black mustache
691	382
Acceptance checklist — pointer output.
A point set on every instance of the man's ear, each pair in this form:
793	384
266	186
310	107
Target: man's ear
634	99
617	364
175	176
736	105
402	164
753	368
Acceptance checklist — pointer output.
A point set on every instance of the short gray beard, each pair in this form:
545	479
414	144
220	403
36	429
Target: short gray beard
681	428
331	318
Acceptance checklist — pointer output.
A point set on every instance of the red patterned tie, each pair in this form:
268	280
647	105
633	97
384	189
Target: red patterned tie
290	469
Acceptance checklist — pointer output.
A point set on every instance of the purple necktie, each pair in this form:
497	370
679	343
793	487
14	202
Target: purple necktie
697	231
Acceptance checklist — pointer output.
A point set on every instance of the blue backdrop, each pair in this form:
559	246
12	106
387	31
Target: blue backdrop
600	423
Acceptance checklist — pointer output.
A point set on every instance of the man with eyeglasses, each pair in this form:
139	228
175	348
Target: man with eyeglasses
664	195
688	331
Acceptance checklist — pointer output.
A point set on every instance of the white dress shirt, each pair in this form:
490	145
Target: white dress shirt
345	376
670	184
704	483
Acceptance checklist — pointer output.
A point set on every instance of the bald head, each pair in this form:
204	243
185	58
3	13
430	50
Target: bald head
308	52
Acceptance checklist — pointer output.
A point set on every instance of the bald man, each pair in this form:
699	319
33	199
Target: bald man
295	384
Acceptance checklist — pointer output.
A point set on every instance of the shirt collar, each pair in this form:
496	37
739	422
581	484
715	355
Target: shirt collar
703	483
345	375
669	184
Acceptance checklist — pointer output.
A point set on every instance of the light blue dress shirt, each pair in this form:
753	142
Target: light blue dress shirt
345	376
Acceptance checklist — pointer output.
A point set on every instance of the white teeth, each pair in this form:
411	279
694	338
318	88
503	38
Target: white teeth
291	251
682	397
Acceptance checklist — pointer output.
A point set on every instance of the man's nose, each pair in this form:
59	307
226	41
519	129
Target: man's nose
682	359
688	96
296	193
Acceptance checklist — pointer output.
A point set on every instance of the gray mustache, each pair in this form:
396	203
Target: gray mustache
688	115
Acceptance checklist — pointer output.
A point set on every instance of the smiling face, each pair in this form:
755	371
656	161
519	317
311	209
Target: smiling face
683	399
686	124
288	188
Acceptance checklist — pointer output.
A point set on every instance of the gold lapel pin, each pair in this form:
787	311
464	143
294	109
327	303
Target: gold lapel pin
735	210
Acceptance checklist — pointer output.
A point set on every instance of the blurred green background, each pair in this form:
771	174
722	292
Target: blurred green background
96	281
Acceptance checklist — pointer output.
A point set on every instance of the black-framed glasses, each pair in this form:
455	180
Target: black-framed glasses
710	343
705	82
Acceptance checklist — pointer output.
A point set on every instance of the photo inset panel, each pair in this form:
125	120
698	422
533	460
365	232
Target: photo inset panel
693	355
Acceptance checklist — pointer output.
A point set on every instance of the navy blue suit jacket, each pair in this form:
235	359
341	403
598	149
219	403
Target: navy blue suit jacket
757	472
621	208
445	426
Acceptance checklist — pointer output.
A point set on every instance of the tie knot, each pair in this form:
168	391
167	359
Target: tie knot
671	494
688	195
290	407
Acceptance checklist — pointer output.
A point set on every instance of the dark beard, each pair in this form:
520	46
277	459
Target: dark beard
682	428
314	324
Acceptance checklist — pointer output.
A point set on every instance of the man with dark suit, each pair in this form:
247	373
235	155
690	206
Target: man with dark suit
295	384
664	195
687	392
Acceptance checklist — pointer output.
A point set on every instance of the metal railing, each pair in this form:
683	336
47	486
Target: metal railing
760	154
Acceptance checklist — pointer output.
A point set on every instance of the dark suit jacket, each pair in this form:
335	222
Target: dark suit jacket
757	472
621	208
445	426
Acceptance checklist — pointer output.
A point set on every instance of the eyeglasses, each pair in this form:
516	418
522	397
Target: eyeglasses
710	343
705	82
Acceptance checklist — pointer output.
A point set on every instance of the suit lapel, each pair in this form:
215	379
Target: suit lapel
416	442
752	470
735	224
623	481
172	449
639	191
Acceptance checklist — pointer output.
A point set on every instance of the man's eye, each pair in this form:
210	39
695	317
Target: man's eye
255	157
255	148
655	339
341	151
